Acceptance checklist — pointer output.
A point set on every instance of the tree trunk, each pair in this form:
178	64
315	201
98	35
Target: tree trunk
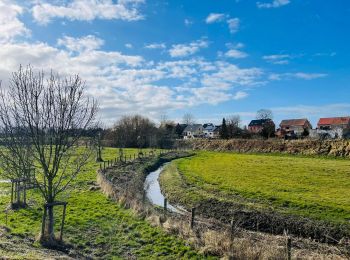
50	224
18	186
99	155
24	194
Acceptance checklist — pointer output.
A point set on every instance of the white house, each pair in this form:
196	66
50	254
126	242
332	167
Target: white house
193	131
209	130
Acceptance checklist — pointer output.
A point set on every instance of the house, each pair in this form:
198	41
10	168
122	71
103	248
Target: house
193	131
208	130
294	127
332	127
334	123
258	125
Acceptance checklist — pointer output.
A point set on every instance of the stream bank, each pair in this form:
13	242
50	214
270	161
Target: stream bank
124	182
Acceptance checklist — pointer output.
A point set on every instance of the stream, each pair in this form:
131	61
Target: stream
154	193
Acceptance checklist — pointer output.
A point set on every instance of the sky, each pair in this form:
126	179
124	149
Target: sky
212	59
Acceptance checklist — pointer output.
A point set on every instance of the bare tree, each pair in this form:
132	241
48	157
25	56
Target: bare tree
188	119
264	114
51	113
233	125
234	120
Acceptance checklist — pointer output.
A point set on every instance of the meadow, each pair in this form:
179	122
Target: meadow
95	225
312	187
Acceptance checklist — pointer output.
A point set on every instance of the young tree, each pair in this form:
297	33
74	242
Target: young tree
223	130
98	143
51	113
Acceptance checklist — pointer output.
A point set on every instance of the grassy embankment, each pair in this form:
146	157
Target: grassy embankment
316	188
95	225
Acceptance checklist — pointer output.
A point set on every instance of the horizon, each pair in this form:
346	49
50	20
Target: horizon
212	60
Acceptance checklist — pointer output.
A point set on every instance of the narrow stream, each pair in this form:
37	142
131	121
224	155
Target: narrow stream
154	193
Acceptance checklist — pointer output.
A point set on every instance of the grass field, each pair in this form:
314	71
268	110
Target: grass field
313	187
96	225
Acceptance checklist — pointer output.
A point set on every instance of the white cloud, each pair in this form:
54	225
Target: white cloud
240	95
128	45
277	58
233	24
183	50
297	75
10	24
328	110
273	4
155	46
188	22
124	83
87	43
308	76
87	10
325	54
236	54
215	17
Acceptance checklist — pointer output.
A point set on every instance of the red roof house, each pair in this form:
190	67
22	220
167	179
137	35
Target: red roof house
294	126
334	122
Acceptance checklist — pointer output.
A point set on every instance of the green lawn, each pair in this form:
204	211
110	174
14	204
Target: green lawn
312	187
98	226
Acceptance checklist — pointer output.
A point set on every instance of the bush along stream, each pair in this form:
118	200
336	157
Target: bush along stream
129	182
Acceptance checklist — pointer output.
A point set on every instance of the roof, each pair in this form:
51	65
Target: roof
294	122
259	122
209	127
192	128
334	121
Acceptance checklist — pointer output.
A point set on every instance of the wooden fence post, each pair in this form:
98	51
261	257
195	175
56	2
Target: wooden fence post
63	218
165	204
289	248
193	212
125	158
104	165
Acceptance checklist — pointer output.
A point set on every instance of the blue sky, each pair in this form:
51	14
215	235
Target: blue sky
209	58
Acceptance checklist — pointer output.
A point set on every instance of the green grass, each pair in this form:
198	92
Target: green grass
97	226
313	187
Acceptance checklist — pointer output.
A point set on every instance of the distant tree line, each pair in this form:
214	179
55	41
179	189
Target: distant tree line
136	131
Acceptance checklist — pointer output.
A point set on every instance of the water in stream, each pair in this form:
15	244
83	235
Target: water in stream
154	193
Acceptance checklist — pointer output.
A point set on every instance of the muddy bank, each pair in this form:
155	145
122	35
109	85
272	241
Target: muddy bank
338	148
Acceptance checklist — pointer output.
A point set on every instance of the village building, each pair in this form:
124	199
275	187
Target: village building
294	128
209	130
193	131
332	127
258	125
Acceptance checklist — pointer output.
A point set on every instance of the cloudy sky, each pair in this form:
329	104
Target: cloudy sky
209	58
